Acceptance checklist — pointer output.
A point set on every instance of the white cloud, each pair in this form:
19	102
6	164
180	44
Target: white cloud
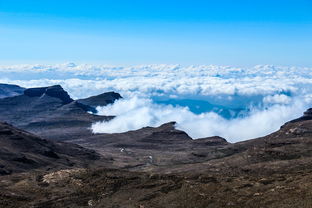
163	79
136	113
277	99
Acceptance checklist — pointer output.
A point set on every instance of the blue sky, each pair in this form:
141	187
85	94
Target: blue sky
223	32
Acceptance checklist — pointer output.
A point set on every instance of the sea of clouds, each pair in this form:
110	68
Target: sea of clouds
243	103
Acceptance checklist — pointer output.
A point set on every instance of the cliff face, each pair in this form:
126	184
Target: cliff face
55	91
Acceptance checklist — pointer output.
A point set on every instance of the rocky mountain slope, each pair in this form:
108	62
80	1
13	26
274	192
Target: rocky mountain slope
285	150
50	113
151	148
21	151
272	171
165	149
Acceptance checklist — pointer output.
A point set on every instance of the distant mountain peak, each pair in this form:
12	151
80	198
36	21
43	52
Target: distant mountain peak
9	90
53	91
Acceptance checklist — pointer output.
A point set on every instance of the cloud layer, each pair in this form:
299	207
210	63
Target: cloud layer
174	80
271	95
136	113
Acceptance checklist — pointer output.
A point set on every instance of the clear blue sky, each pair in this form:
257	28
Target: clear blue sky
224	32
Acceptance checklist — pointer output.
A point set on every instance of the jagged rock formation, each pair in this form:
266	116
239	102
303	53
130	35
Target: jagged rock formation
22	151
8	90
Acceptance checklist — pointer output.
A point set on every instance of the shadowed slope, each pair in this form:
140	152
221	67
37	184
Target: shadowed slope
22	151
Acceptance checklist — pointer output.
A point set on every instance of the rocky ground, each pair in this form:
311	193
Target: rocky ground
21	151
121	189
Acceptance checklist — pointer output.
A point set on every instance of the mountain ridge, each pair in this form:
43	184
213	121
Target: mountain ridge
9	90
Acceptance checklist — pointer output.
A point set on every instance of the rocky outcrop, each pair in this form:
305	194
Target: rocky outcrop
101	100
307	115
54	91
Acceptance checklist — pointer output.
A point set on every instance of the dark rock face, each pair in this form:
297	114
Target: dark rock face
21	151
54	91
86	108
101	100
308	113
8	90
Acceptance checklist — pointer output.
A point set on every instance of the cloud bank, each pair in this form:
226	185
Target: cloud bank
159	80
271	95
136	113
